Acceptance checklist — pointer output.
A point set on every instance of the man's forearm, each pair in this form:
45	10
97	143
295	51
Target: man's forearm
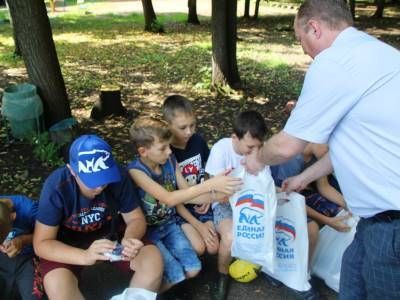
280	148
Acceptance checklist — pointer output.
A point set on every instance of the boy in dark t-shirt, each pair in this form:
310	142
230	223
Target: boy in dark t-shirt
78	209
17	219
191	152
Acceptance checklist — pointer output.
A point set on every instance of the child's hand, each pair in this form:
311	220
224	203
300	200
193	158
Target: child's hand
208	233
131	248
202	208
13	248
225	184
96	251
338	224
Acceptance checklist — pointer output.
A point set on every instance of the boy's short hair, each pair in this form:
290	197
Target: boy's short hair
173	104
252	122
145	129
5	220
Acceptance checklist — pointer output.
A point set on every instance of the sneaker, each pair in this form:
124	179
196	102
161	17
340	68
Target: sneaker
310	294
219	291
272	281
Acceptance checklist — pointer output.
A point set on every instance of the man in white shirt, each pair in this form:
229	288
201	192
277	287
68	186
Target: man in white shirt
349	100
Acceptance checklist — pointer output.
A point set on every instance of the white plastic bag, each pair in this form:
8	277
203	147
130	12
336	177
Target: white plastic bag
254	208
291	260
327	259
135	294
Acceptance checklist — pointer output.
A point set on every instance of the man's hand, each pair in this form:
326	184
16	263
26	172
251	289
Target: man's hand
131	248
295	183
96	251
12	248
252	164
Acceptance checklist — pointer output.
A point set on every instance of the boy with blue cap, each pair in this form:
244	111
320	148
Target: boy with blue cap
78	208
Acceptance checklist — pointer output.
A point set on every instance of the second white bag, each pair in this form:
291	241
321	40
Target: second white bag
254	209
327	260
291	260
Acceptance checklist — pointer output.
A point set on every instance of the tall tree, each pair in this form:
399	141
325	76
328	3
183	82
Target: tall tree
150	18
33	31
17	49
256	9
192	15
380	6
223	27
246	9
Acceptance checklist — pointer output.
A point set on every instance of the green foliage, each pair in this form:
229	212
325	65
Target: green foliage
46	150
205	74
157	27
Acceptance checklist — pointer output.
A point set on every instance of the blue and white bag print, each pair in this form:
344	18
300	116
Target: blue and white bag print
291	260
254	209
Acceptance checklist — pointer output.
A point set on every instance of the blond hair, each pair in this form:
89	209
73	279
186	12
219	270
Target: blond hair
145	130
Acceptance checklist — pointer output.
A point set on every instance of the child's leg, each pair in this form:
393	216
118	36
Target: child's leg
213	245
313	233
223	223
148	266
60	280
173	271
194	238
24	276
7	278
177	243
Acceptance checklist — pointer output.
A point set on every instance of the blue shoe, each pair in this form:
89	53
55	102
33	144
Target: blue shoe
310	294
272	281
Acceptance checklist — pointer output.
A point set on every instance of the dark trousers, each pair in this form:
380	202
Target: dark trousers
371	264
16	277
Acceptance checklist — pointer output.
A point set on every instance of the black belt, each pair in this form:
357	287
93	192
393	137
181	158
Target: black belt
387	216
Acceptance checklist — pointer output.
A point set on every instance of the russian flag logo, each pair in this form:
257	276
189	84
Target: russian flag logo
255	200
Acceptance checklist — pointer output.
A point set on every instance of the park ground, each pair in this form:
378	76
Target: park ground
102	42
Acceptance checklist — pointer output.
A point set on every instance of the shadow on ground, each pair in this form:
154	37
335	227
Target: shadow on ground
102	282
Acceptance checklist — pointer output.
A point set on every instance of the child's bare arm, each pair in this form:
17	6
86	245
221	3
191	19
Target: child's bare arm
170	198
334	222
329	192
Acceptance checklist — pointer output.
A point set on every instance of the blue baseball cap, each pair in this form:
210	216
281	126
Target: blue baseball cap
91	160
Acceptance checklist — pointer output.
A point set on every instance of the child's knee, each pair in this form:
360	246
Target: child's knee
149	260
192	274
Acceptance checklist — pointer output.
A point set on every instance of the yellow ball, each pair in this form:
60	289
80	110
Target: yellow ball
243	271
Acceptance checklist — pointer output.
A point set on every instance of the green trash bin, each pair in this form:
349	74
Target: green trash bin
23	109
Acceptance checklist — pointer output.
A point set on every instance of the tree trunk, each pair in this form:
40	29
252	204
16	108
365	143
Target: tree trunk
380	5
17	48
224	64
32	28
246	9
352	4
53	5
150	18
192	16
256	9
